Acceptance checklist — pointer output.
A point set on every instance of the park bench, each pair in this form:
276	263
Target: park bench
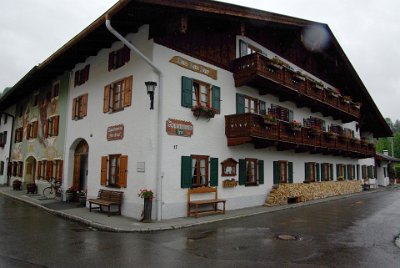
194	205
107	198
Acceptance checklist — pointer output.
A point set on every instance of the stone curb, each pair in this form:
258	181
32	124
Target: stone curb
168	226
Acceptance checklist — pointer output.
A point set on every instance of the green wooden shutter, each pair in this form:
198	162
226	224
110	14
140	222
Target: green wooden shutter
186	172
318	178
354	171
216	98
290	171
331	171
362	171
345	172
242	172
276	172
213	171
261	171
239	104
323	174
358	172
369	172
306	171
186	98
263	108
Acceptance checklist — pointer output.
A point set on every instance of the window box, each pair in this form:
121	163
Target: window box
330	135
299	77
355	141
318	86
270	120
295	126
314	131
229	183
203	111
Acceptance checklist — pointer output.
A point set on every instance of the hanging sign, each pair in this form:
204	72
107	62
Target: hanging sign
115	132
179	128
198	68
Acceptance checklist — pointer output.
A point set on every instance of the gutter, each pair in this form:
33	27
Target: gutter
159	146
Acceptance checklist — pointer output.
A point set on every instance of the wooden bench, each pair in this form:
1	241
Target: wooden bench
107	198
194	206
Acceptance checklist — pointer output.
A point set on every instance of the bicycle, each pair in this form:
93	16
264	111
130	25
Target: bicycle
50	192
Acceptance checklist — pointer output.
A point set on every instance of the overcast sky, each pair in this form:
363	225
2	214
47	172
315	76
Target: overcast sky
367	30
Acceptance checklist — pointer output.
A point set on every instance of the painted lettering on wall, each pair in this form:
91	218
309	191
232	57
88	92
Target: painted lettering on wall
198	68
179	128
115	132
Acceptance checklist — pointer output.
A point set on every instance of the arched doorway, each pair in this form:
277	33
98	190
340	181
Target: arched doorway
30	170
80	166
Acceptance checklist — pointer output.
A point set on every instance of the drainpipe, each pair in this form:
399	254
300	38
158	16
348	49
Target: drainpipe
159	174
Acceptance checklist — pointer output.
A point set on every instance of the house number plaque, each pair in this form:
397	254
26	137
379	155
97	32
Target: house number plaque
179	128
115	132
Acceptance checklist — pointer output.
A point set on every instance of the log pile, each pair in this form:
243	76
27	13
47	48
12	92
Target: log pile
281	193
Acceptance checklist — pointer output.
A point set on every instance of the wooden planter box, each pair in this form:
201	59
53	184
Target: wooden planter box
229	184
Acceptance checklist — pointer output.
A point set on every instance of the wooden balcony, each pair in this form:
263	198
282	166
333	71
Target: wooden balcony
250	128
258	71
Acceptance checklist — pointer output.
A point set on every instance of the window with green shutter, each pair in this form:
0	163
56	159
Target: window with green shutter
251	171
290	171
199	170
216	98
239	104
276	172
187	88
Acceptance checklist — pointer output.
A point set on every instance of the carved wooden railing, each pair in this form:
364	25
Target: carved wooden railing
246	69
245	128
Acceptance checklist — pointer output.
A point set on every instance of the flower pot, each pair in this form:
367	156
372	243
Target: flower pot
69	197
148	202
82	200
31	188
17	185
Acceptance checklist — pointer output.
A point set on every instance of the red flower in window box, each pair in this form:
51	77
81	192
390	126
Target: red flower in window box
270	119
207	112
295	125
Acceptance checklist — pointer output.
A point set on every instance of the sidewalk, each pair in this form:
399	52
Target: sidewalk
100	221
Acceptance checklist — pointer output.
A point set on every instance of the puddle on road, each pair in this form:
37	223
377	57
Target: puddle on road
288	237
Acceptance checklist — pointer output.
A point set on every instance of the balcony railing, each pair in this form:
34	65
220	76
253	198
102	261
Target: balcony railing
251	128
259	71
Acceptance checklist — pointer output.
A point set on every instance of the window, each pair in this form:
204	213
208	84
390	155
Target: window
314	122
197	93
351	170
364	172
118	95
31	130
51	128
41	169
283	172
341	171
326	172
3	138
118	58
55	90
35	100
246	104
20	165
81	76
1	167
370	170
312	172
251	171
247	49
79	107
18	134
57	169
281	113
358	172
14	168
199	170
114	169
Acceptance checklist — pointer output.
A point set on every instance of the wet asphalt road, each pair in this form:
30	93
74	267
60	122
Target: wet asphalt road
353	232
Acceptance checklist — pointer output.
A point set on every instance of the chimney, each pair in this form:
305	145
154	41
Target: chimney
386	152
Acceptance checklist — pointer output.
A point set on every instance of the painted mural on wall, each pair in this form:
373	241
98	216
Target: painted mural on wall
39	107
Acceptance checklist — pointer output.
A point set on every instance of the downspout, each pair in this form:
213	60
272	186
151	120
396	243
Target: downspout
159	146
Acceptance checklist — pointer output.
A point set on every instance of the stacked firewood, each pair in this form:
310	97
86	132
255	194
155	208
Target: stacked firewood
300	192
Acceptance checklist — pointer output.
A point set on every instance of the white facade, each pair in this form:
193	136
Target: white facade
141	126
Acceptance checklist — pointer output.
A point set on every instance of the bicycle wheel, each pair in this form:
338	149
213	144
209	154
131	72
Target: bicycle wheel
49	192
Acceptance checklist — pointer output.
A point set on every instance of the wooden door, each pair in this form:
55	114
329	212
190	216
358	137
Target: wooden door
77	172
